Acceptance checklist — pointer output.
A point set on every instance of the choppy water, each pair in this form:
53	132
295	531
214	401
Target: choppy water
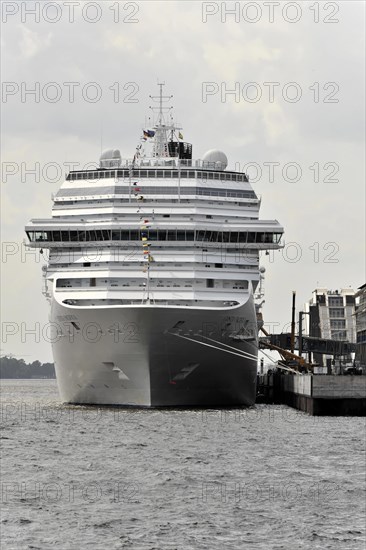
263	478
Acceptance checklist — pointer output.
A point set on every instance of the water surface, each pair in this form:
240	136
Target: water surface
262	478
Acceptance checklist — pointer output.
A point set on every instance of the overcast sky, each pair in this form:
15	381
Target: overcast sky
316	122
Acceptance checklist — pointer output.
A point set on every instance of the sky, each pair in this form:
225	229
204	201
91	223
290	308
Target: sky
278	86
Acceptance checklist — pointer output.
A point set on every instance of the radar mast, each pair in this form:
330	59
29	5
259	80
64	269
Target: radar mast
161	127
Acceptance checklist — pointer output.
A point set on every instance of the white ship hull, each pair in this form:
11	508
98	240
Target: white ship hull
133	355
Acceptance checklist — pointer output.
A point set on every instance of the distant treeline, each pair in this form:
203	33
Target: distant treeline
18	368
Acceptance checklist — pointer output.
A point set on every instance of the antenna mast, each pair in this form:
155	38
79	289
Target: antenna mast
162	129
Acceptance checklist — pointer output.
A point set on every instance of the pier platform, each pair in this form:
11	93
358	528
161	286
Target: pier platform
318	395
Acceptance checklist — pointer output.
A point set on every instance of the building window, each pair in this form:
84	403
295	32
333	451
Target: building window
335	301
334	324
339	335
336	312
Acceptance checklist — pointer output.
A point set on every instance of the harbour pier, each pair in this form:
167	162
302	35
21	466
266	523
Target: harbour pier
318	395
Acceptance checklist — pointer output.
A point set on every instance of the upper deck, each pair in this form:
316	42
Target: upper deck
171	168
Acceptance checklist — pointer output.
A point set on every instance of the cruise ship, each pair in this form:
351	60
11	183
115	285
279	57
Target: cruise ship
153	275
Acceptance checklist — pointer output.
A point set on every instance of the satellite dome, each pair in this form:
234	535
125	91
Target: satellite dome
215	159
110	158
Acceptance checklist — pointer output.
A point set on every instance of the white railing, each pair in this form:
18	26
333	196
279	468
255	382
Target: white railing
163	162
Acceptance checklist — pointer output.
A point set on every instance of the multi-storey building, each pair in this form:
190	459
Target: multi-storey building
361	325
332	316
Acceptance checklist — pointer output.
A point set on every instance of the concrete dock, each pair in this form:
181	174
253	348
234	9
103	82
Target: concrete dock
318	395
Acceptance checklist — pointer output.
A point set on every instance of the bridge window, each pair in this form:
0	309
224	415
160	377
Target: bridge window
201	235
